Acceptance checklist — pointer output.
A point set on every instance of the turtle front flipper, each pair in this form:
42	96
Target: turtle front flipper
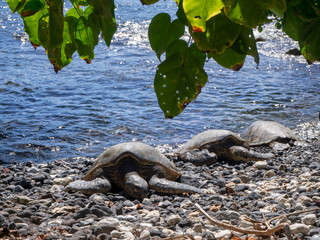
199	157
242	154
97	185
166	186
135	185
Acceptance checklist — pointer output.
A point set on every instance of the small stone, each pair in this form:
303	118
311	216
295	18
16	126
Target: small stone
145	234
128	203
223	234
299	228
145	226
172	220
22	199
82	213
62	181
64	209
261	164
122	235
305	175
104	236
245	224
309	219
315	237
112	222
166	232
153	216
197	228
269	174
282	167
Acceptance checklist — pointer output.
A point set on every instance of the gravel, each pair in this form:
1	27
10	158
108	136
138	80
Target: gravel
35	205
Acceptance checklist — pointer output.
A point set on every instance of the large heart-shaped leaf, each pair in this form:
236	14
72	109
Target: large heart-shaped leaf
179	78
249	13
220	34
199	11
309	40
235	56
162	32
105	10
85	29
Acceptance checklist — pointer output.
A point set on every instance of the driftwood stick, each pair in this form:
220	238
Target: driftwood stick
267	232
294	213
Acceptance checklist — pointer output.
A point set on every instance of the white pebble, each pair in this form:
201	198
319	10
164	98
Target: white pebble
299	228
62	181
309	219
172	220
223	234
145	234
261	165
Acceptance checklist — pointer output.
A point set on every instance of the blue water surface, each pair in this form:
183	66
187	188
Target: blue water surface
84	109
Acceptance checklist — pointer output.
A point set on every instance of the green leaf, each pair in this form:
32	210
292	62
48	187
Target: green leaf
249	13
15	5
84	30
249	43
291	22
56	24
179	78
31	7
181	15
199	11
309	40
230	58
220	34
31	26
278	7
105	10
162	32
148	2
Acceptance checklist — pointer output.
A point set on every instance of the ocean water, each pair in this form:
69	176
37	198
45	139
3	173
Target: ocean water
84	109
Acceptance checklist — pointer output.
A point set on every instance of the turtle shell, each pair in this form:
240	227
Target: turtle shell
214	140
264	132
144	158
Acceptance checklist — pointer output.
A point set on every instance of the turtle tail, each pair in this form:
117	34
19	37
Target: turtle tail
166	186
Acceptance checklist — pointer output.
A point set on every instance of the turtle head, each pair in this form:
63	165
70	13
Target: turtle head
242	154
135	185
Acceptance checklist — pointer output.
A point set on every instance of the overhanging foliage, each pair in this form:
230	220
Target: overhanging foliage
217	29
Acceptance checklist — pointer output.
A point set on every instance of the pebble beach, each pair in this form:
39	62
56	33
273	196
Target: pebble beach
34	203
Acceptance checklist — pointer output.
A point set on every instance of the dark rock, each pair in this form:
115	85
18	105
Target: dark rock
104	236
103	228
185	223
3	221
82	213
254	195
98	212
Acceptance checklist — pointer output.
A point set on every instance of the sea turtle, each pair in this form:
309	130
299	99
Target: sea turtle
209	146
269	133
134	167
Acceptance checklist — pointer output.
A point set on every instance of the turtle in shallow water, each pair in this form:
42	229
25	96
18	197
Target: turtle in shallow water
134	167
269	133
209	146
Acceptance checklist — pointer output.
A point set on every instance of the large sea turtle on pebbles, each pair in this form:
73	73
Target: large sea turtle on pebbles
269	133
134	167
209	146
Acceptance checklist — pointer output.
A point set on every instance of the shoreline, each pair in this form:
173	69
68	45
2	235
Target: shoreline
34	204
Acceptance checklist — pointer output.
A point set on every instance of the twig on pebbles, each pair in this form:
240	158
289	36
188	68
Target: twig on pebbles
268	232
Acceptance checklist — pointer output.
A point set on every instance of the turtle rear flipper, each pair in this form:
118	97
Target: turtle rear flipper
166	186
199	157
97	185
242	154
